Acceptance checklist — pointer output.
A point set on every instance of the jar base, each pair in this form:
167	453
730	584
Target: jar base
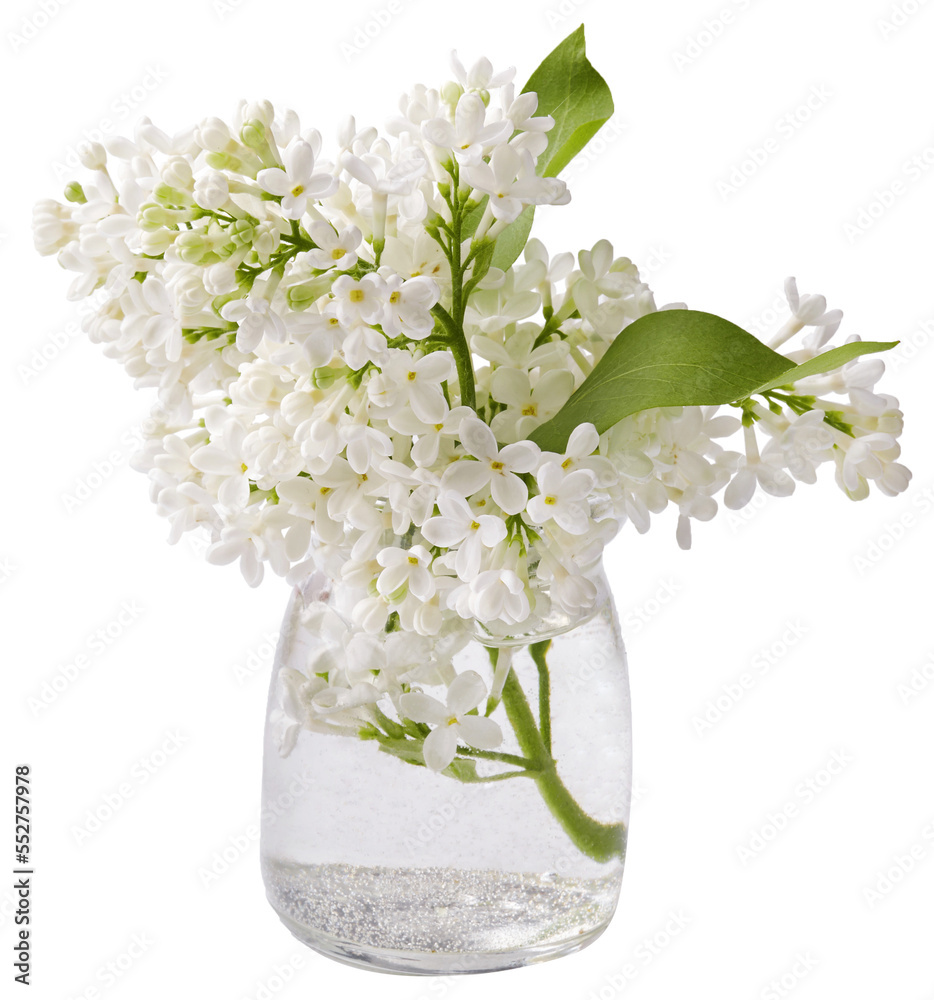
413	963
438	921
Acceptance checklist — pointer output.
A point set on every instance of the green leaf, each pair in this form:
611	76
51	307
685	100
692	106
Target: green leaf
575	95
676	357
463	770
512	240
578	98
473	217
680	357
406	750
826	362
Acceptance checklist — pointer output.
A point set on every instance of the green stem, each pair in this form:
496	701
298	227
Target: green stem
539	651
600	841
502	776
457	341
453	321
505	758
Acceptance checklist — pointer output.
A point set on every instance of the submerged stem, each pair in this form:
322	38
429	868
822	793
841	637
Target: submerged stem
538	651
502	776
505	758
600	841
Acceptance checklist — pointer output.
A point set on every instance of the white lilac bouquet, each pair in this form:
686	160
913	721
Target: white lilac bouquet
364	365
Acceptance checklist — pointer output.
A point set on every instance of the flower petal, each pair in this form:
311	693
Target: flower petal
273	180
466	477
522	456
440	747
509	492
480	732
444	531
478	438
299	161
467	690
422	708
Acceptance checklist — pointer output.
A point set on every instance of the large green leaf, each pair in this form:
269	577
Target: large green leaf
679	357
826	362
512	240
578	98
575	95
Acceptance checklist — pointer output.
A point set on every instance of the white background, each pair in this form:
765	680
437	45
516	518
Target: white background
848	583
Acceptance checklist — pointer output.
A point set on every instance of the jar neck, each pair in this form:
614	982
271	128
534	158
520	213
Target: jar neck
558	604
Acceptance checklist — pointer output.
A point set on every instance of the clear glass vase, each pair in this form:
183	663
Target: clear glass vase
505	858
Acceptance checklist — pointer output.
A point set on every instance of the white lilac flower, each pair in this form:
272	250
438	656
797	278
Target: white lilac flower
416	383
346	489
408	305
338	706
481	75
186	506
359	301
296	181
803	444
405	570
53	227
458	526
222	459
493	595
469	134
865	458
366	446
580	452
433	443
765	471
293	308
363	345
255	318
211	190
562	498
251	540
495	310
511	182
318	335
500	468
451	721
334	249
155	314
383	177
807	310
291	716
527	405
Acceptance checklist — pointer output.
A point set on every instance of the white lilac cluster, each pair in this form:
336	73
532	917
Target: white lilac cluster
347	381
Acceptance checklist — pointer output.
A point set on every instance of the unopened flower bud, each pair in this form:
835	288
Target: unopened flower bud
152	216
75	192
253	134
240	234
156	242
451	93
266	238
224	161
220	279
192	246
177	174
169	196
300	297
262	110
323	378
213	135
92	155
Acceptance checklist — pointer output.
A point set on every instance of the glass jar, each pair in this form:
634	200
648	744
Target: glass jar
506	857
